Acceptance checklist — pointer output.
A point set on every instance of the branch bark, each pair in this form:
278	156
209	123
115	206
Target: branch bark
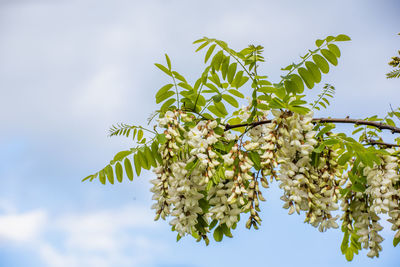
378	125
373	142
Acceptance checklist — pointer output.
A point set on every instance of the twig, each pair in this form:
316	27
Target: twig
378	125
373	142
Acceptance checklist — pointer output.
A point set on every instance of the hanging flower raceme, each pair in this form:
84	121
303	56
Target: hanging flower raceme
380	197
307	186
169	152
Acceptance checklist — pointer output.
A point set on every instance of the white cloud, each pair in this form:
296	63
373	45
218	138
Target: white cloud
23	227
102	238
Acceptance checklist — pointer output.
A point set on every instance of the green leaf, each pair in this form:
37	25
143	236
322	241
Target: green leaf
319	42
290	86
390	122
243	81
349	255
110	174
267	90
178	237
226	230
121	155
396	241
156	154
329	56
342	37
164	69
255	158
118	171
163	90
358	187
320	148
215	111
161	138
307	77
224	67
213	224
324	130
168	61
87	177
331	142
143	160
299	83
330	38
345	243
167	104
344	158
212	87
137	163
209	52
185	86
202	46
128	169
162	97
321	63
276	103
231	72
230	100
218	234
297	102
140	134
179	77
221	108
236	93
334	49
238	79
102	177
149	157
314	70
294	84
217	98
217	60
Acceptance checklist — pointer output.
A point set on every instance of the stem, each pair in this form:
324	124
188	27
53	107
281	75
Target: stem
378	125
373	142
176	88
150	131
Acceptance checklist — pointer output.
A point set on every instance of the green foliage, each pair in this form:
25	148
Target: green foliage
217	97
322	101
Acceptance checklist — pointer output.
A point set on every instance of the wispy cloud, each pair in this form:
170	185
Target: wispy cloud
101	238
22	227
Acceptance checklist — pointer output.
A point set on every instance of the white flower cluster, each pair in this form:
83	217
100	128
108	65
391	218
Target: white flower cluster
184	197
307	187
204	176
200	139
189	163
263	139
394	212
380	197
169	150
222	210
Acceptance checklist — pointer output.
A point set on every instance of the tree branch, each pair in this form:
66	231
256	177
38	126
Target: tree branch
378	125
374	142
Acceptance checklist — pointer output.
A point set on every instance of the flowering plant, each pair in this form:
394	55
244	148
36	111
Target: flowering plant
211	162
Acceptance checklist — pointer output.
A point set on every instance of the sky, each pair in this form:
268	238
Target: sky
71	69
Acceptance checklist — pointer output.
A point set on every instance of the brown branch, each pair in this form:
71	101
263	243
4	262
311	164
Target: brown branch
373	142
378	125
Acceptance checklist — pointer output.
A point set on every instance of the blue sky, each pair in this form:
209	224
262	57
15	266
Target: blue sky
71	69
